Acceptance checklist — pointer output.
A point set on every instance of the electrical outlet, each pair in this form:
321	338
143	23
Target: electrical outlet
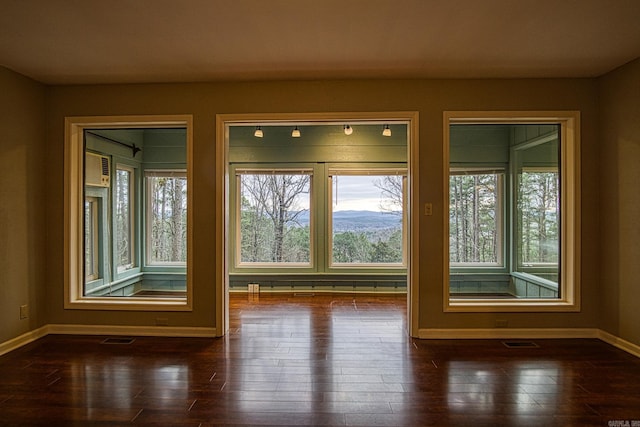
428	209
24	311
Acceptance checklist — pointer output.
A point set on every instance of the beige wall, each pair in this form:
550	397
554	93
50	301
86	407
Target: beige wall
619	169
22	207
429	97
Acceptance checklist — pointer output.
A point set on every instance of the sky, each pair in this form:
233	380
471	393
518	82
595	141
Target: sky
356	193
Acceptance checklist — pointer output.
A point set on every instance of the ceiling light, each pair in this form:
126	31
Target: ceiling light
258	133
295	133
348	130
386	131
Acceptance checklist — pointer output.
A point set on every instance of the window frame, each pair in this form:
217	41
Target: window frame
501	224
237	171
95	239
74	151
123	269
163	173
366	171
569	169
517	263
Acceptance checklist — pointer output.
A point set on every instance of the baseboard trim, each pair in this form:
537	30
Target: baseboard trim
504	333
195	332
620	343
22	340
148	331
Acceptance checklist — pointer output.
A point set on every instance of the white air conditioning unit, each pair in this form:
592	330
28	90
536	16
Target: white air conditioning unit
96	170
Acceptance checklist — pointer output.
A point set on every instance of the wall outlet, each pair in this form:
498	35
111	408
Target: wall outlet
24	311
253	288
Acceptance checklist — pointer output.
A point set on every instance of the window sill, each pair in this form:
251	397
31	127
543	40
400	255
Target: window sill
130	304
511	305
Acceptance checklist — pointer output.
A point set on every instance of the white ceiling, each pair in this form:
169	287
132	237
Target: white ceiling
118	41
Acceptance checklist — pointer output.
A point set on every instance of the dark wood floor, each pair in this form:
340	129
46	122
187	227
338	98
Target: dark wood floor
317	360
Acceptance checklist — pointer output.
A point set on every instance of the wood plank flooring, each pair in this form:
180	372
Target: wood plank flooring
331	360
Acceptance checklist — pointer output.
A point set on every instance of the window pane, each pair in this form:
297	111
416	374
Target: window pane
474	231
275	218
367	220
528	232
90	239
123	220
538	210
167	219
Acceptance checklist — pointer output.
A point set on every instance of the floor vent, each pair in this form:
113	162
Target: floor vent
117	340
304	294
520	344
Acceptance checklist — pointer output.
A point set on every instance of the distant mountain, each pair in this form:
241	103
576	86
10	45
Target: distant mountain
359	220
365	220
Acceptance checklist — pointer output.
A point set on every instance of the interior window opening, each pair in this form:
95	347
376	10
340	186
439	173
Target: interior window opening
135	185
511	193
318	206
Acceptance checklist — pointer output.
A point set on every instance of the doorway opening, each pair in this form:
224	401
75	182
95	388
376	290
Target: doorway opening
317	203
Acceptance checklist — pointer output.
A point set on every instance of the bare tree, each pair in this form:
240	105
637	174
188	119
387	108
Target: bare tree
391	193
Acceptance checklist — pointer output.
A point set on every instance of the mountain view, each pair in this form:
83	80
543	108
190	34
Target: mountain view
359	220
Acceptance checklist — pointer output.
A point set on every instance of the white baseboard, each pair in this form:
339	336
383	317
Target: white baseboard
148	331
23	339
622	344
505	333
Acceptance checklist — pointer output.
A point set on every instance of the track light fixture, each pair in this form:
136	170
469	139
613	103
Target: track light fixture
386	131
295	133
348	130
258	132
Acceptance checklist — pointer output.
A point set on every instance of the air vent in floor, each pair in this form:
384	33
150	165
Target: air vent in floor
118	340
520	344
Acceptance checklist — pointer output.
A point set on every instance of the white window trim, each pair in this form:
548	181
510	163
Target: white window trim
74	211
569	300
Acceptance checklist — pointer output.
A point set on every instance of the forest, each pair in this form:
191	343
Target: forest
476	211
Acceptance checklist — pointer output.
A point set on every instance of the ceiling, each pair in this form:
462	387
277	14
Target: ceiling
129	41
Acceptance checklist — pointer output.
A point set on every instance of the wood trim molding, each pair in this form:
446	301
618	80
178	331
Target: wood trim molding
202	332
503	333
145	331
620	343
23	339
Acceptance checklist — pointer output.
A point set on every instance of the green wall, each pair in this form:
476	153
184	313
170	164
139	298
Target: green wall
22	204
320	143
32	194
619	169
429	97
